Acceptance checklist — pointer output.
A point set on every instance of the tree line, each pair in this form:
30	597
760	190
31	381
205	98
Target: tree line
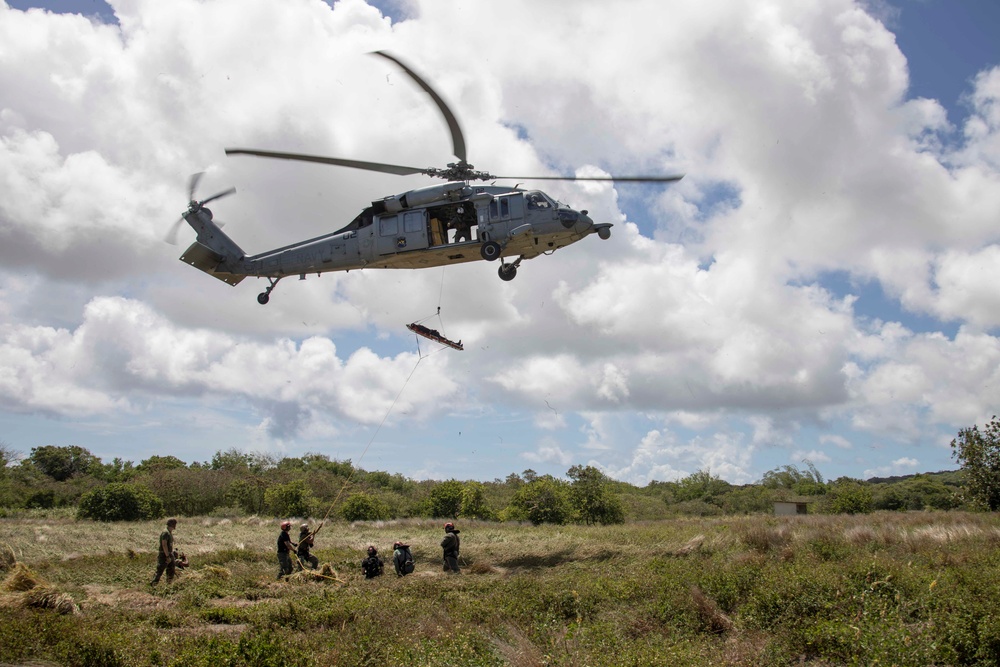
237	483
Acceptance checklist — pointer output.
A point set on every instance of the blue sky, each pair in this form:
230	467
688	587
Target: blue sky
820	285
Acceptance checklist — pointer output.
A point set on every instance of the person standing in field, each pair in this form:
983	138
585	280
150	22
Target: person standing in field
305	544
285	548
165	553
450	546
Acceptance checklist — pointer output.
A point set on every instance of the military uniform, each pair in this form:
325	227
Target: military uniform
305	544
450	545
165	554
285	547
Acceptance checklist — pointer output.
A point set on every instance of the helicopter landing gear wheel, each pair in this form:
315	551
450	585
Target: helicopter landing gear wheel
265	296
490	251
507	271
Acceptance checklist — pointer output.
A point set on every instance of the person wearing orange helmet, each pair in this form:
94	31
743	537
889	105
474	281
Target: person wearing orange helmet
285	549
450	545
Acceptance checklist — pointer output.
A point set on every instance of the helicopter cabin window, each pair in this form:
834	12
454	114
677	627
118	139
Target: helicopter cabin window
413	222
388	225
500	208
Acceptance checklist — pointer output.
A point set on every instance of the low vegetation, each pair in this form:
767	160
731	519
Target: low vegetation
581	570
915	588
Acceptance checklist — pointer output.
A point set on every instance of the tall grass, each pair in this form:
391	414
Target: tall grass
905	589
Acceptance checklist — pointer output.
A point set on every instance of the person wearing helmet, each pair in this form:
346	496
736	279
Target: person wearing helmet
402	559
285	547
372	566
305	544
450	545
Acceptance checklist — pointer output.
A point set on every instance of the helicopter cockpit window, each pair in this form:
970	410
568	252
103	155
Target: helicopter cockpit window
538	200
388	225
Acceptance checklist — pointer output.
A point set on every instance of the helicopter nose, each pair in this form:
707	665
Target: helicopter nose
578	221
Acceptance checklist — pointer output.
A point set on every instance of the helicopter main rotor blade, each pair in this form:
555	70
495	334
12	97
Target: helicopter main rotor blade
617	179
457	139
399	170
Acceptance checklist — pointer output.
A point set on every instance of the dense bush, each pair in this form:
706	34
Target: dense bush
291	499
474	503
364	507
848	496
446	499
120	502
544	500
592	497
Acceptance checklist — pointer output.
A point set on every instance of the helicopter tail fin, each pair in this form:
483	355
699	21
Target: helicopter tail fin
213	252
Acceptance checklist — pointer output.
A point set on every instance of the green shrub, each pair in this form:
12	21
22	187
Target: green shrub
445	500
291	499
364	507
120	502
847	496
544	500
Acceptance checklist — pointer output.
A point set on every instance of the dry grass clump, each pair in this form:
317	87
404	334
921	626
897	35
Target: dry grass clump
691	546
518	651
764	538
480	567
47	597
715	619
325	573
20	579
27	590
861	535
7	558
931	537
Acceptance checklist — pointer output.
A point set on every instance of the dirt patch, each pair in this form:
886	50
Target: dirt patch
126	599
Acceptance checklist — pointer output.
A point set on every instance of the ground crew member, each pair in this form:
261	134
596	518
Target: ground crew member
402	559
305	544
285	547
165	553
372	566
450	545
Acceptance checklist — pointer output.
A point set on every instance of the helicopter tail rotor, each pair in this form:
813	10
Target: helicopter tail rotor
194	206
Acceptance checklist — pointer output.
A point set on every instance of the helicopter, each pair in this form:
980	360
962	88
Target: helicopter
437	225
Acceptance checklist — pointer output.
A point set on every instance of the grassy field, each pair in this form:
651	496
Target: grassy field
889	589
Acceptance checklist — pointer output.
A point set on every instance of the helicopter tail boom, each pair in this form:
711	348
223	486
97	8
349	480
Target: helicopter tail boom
213	252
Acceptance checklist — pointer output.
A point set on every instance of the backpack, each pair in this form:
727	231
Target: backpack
407	561
371	567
